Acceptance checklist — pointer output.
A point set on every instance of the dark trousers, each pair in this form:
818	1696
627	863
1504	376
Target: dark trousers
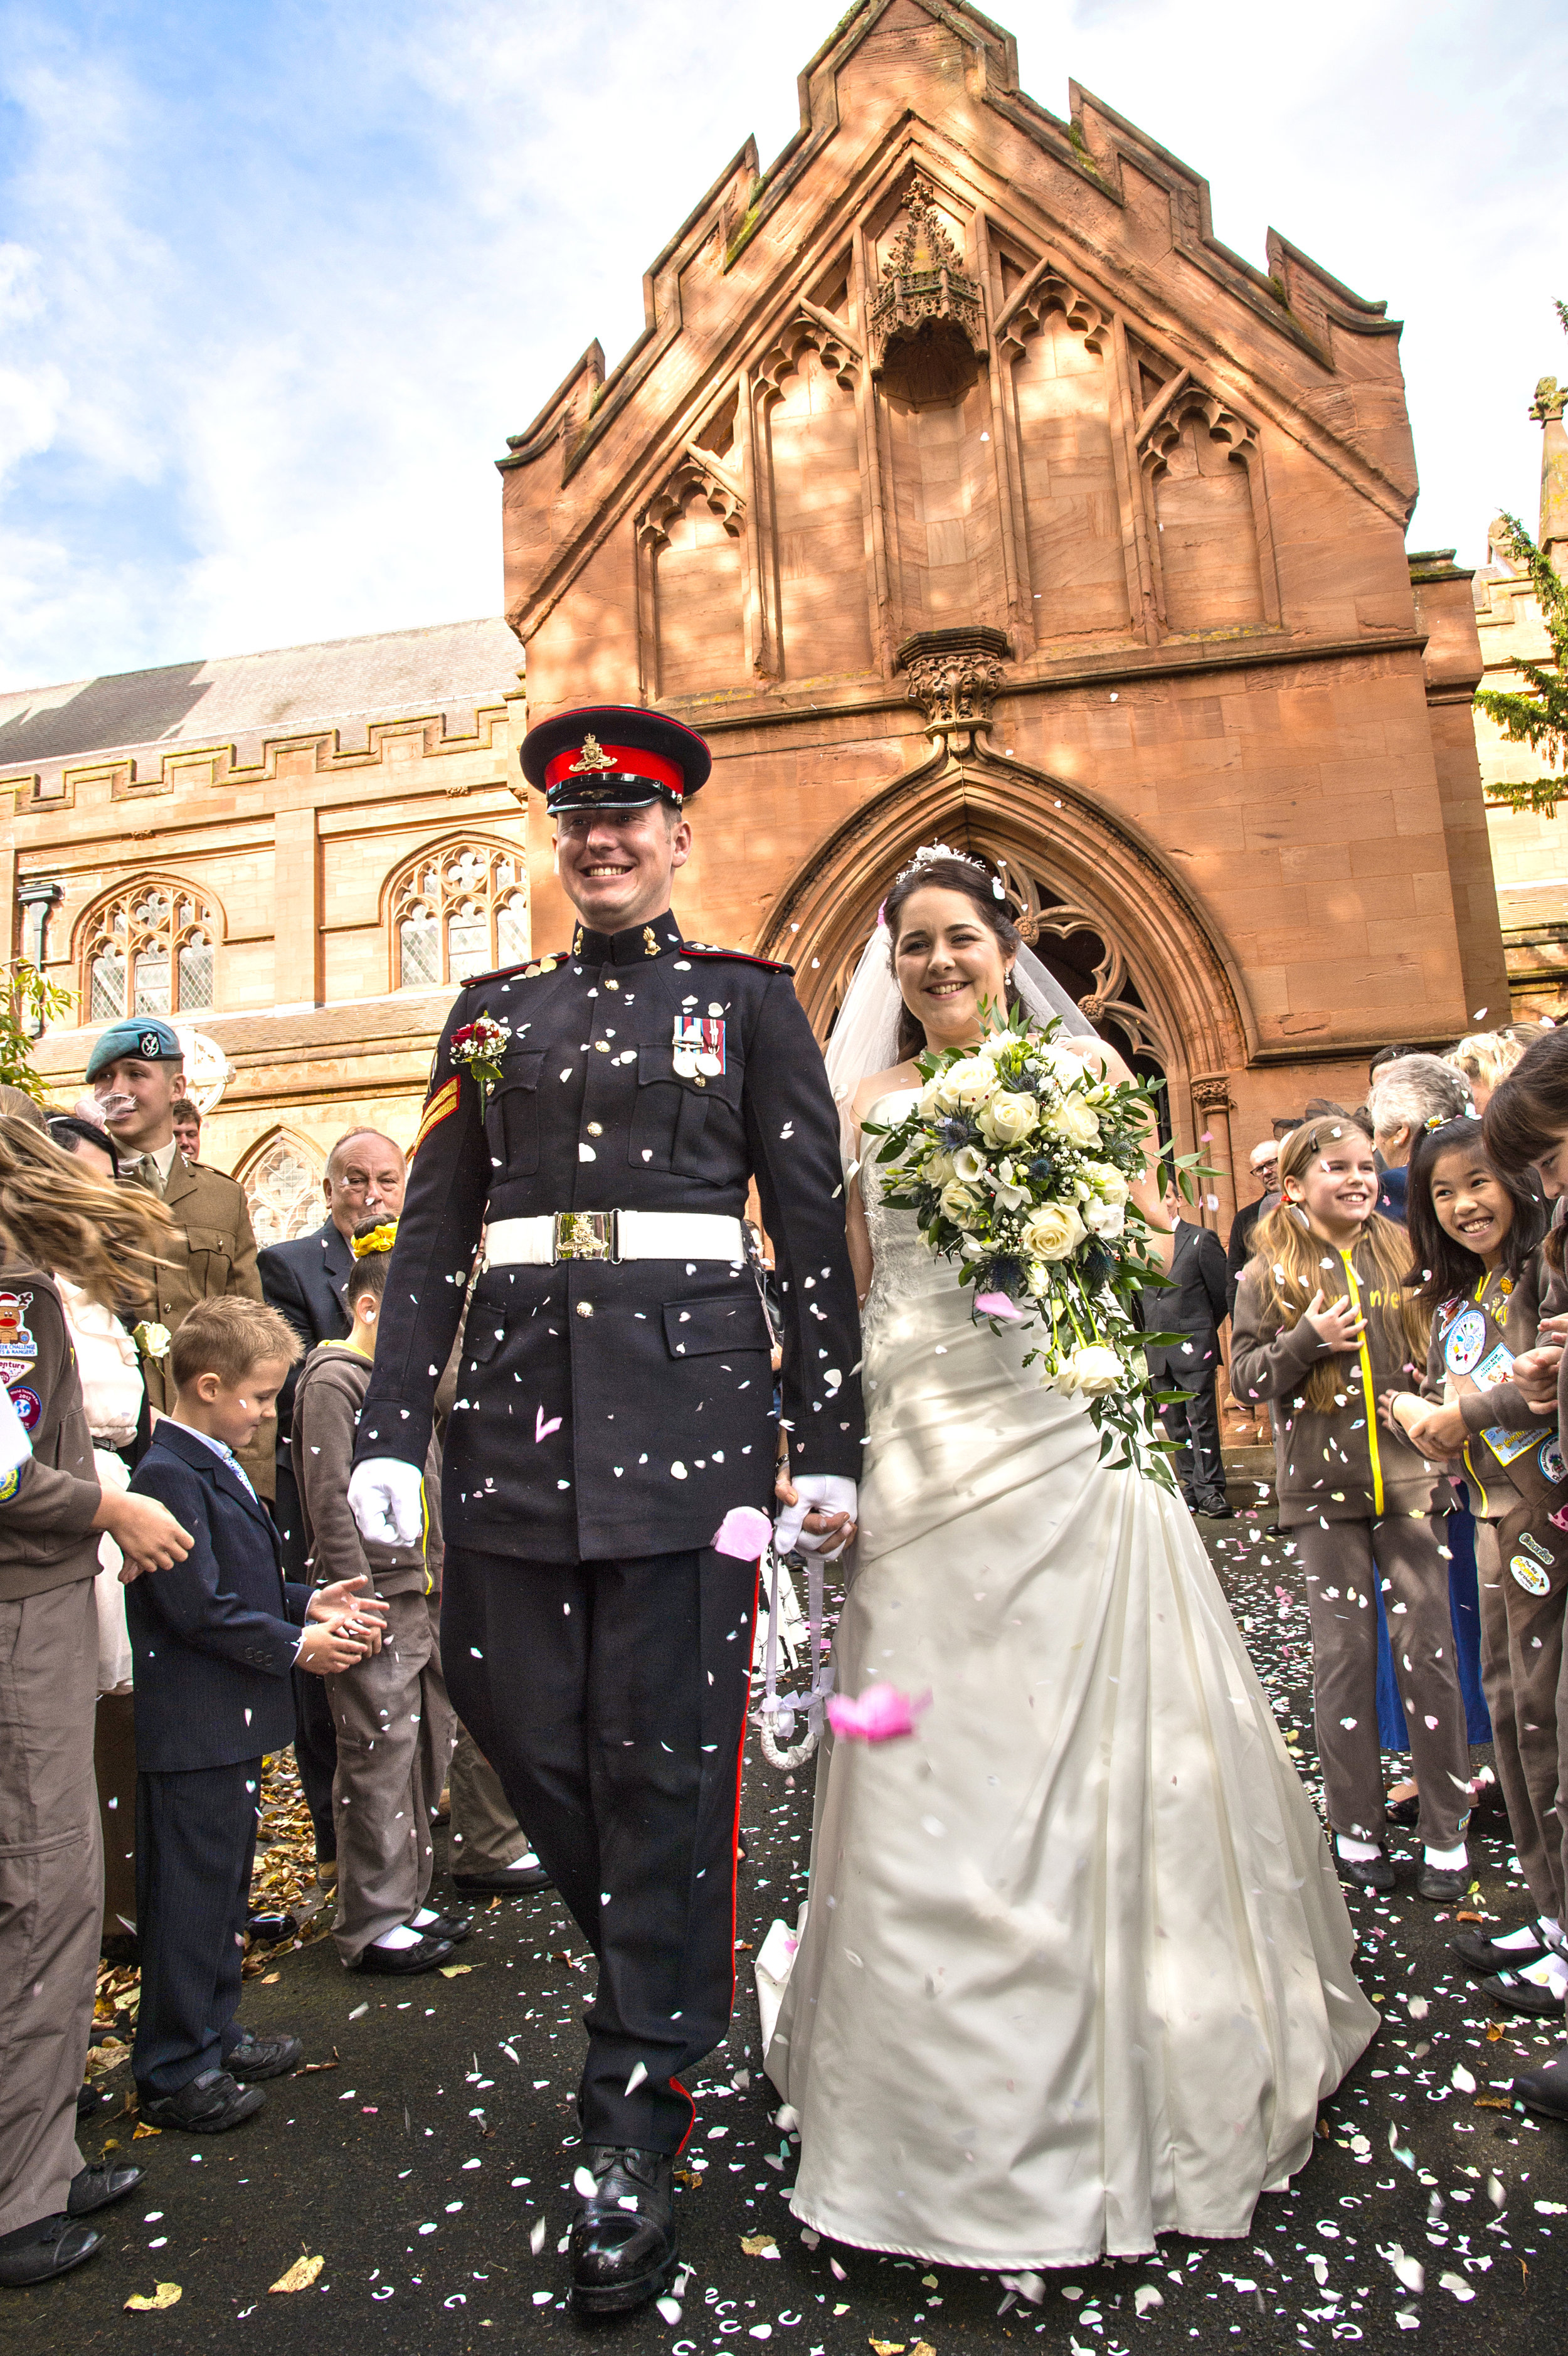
315	1736
196	1836
1194	1425
610	1699
114	1768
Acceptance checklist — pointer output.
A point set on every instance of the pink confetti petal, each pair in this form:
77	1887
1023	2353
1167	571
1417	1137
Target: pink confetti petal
743	1532
541	1428
878	1715
997	1304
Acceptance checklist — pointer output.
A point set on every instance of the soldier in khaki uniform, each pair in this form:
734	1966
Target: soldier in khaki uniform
137	1074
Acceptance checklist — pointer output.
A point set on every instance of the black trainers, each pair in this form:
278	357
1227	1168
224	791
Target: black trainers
35	2252
95	2188
263	2056
1214	1505
622	2238
209	2105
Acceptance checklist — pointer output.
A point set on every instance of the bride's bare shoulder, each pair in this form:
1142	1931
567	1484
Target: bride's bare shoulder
881	1084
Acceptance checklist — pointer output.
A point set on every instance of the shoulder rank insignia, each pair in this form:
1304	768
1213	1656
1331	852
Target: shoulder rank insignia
739	957
440	1106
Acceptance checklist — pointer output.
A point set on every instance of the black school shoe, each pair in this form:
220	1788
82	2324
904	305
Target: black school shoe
403	1962
263	2056
455	1927
1522	1996
35	2253
209	2105
518	1884
1480	1954
95	2188
622	2238
1545	2089
1442	1887
1366	1872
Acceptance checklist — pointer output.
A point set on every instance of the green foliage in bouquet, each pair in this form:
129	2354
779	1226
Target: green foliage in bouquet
1019	1162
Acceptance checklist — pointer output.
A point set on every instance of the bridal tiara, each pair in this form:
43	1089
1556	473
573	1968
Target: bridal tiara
929	850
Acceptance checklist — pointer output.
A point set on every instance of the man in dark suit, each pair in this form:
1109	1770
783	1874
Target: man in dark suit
1196	1308
305	1281
214	1651
1262	1161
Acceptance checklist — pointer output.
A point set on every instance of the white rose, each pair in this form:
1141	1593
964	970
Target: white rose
934	1100
972	1081
1107	1182
959	1202
1092	1369
1052	1232
1104	1219
1008	1118
968	1164
937	1168
1073	1121
1060	1061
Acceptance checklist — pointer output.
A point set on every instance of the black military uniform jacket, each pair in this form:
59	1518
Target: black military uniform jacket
615	1410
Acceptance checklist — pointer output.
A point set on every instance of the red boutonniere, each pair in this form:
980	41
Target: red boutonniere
481	1044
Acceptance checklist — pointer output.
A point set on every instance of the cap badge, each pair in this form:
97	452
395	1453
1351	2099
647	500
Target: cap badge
150	1045
592	757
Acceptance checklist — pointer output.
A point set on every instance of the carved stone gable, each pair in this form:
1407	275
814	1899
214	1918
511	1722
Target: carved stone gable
926	298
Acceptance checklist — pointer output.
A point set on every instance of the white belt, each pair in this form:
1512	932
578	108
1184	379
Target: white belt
613	1236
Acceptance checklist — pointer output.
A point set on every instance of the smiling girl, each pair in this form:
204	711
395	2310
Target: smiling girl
1323	1327
1476	1237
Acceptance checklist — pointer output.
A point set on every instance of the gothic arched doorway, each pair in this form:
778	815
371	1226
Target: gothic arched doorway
1103	911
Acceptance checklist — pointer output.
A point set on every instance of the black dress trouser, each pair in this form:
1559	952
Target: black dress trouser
1194	1425
610	1699
315	1736
196	1837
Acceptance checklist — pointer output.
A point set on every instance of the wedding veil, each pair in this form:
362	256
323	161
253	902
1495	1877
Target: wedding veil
865	1036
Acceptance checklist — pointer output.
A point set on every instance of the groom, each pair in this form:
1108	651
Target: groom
598	1115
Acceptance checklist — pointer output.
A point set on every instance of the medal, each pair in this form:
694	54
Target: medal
698	1046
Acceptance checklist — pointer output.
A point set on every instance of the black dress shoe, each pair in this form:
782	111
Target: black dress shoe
401	1963
91	2103
1524	1995
1545	2089
455	1927
622	2238
263	2056
1479	1953
210	2105
1442	1887
95	2188
519	1883
35	2253
1367	1872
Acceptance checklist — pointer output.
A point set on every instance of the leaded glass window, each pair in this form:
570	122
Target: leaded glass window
459	910
149	950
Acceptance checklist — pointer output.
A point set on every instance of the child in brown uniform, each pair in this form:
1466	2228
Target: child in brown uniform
1355	1497
394	1722
1476	1237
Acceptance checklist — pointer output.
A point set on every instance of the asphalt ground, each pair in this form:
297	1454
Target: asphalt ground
427	2160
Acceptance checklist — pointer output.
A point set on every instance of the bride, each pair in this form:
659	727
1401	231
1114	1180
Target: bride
1076	1968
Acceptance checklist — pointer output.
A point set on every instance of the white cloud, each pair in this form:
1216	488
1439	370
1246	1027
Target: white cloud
280	284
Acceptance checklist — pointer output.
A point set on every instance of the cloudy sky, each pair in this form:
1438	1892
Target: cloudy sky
276	281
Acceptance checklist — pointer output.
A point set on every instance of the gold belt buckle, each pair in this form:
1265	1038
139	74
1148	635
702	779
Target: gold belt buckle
585	1235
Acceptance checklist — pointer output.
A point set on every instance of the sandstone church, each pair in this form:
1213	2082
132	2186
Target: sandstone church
961	486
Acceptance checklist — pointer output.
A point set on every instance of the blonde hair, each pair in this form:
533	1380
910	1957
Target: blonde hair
54	1213
1486	1056
227	1337
1287	1268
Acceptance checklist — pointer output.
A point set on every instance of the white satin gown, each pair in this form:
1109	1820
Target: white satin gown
1077	1969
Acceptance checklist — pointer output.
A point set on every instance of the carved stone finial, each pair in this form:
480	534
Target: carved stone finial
957	675
927	319
1550	396
1213	1094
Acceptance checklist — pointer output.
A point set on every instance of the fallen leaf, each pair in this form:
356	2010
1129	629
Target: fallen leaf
691	2178
922	2348
271	1979
887	2347
1490	2102
305	2068
758	2245
165	2295
300	2276
1495	2030
144	2129
1469	1918
454	1971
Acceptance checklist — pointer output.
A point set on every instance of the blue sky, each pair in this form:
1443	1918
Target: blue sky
276	280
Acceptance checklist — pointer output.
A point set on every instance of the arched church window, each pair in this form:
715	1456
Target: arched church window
459	910
149	950
282	1186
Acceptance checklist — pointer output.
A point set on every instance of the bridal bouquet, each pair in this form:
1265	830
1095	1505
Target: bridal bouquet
1019	1163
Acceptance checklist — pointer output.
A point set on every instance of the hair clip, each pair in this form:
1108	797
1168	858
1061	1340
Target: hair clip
379	1239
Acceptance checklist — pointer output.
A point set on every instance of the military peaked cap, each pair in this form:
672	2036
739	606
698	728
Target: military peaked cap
614	756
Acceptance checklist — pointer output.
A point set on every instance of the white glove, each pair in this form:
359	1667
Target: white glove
386	1498
815	1493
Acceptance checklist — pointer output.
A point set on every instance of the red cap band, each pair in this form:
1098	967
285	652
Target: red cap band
592	762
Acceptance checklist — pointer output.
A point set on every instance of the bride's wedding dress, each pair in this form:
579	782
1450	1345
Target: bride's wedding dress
1076	1969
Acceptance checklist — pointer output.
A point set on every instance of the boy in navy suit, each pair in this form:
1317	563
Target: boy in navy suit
213	1654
